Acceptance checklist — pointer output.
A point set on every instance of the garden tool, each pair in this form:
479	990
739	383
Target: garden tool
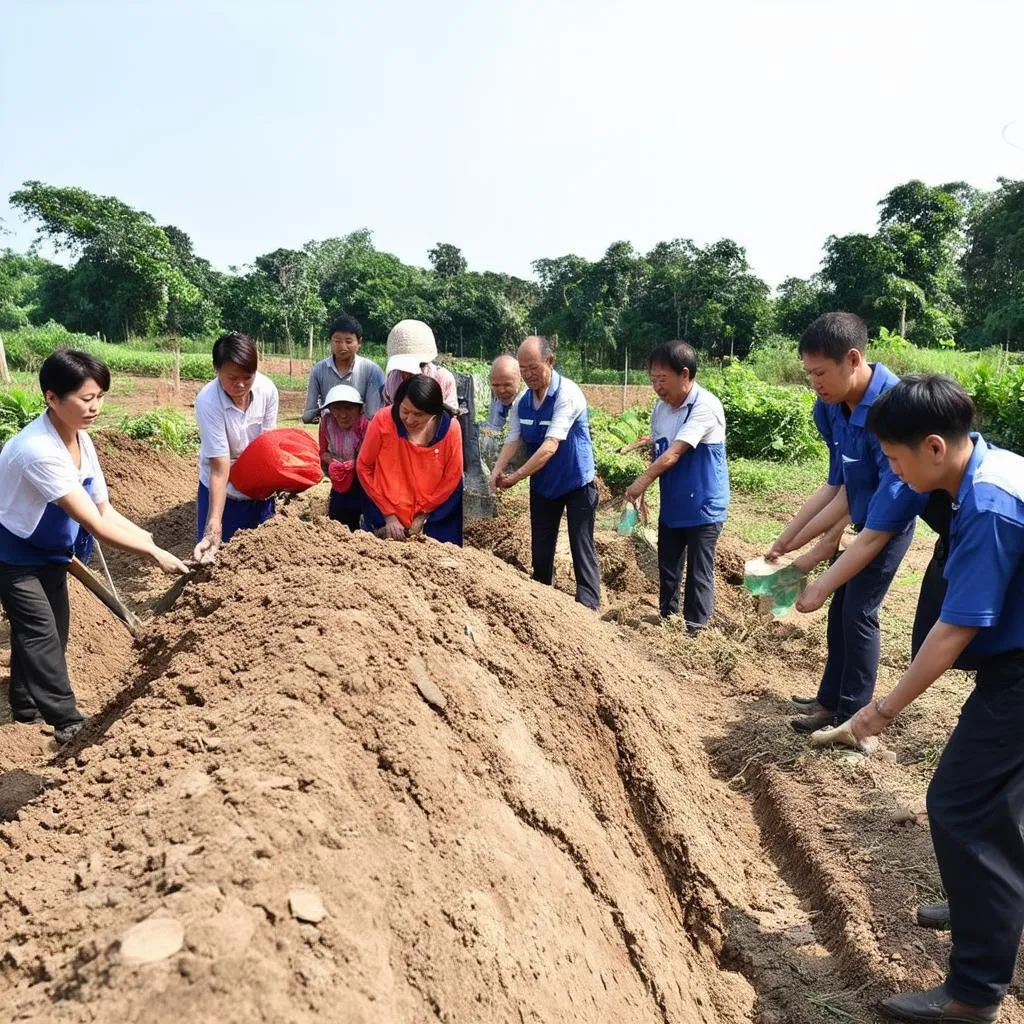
109	597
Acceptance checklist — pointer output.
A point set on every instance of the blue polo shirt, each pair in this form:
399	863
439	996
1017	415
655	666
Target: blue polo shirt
985	568
878	499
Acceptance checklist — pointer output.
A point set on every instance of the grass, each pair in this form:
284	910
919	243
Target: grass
777	479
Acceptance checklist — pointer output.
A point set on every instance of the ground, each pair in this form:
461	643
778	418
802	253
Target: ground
510	808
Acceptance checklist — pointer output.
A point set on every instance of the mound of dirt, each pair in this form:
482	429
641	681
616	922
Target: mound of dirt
380	782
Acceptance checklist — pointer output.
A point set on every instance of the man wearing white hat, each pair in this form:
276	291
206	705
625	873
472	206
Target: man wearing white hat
412	350
342	429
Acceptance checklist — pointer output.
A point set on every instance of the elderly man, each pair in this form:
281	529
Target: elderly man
506	383
549	426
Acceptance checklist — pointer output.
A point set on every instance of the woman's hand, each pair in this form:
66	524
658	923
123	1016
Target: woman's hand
171	564
393	528
206	550
417	524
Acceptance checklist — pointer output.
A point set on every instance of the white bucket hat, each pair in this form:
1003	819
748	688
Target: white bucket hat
410	344
342	393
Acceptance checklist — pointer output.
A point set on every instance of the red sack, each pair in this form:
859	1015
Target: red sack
286	459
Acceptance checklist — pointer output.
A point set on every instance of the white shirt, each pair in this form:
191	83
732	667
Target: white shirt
226	430
699	419
569	406
36	469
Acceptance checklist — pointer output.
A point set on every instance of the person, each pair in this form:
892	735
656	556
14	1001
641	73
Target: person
410	466
862	489
506	383
412	350
231	411
976	798
342	430
52	491
549	429
344	366
688	434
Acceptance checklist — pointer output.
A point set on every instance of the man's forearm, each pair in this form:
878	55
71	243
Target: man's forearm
537	461
858	555
826	547
943	645
810	508
834	512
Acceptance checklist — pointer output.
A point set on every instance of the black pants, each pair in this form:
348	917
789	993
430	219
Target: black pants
35	599
854	636
580	507
929	606
691	548
976	813
339	510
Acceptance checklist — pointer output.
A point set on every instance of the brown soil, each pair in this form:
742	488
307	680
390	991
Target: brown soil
511	810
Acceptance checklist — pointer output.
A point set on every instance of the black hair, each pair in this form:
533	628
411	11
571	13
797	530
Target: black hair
424	392
235	347
832	335
676	355
345	324
67	369
920	405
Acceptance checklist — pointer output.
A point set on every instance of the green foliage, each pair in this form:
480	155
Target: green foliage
765	421
18	407
163	429
1000	401
609	433
775	479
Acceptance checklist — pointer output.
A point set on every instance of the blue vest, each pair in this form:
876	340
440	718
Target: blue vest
572	465
695	491
54	540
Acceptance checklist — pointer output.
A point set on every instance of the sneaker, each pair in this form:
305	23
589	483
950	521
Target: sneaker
66	733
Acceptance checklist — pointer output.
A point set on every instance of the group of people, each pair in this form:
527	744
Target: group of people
391	445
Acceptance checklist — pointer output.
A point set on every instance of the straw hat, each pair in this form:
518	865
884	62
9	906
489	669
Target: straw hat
410	344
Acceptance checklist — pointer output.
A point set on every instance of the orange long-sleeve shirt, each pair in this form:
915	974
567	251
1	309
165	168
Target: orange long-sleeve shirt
403	479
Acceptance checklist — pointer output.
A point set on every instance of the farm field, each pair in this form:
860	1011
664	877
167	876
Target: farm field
607	820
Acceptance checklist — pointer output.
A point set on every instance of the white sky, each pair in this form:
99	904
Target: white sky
515	131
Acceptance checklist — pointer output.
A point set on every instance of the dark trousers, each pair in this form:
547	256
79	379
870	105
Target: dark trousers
238	515
35	599
580	507
929	605
689	548
340	509
854	638
976	813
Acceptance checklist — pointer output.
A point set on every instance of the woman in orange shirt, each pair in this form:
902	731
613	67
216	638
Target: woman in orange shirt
410	466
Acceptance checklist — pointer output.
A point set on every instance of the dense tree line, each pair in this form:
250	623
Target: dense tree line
945	263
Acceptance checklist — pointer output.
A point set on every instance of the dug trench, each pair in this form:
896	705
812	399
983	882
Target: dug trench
508	809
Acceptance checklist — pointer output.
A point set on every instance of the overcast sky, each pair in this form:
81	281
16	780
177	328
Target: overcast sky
515	131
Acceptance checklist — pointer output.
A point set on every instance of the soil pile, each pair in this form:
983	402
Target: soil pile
380	782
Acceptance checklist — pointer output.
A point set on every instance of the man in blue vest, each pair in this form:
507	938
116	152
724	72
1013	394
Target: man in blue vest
862	490
976	798
550	428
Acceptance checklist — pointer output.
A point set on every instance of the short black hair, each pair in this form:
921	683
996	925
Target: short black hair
235	347
676	355
67	369
832	335
424	392
920	405
345	324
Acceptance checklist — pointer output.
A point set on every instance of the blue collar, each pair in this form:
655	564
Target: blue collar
880	376
976	459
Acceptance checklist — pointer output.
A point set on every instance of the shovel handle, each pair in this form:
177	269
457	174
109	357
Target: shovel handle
92	583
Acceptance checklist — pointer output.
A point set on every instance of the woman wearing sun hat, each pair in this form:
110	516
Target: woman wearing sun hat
412	350
342	429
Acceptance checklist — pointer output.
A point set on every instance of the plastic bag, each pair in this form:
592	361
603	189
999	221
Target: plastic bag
781	583
627	523
286	459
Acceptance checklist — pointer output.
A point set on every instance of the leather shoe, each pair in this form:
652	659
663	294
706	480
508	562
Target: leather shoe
934	915
804	702
935	1004
814	721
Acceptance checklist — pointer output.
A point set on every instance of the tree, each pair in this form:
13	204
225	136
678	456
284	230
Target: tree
799	303
447	260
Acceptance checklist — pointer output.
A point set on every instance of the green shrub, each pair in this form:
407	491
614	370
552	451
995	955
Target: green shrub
18	408
609	433
163	429
1000	401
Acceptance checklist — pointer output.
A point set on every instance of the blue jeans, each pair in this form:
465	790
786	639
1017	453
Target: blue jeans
854	638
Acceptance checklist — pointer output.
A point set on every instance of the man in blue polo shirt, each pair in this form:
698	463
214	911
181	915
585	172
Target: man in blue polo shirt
549	426
861	489
976	798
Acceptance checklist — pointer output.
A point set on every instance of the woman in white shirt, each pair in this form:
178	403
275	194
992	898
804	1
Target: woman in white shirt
231	411
52	491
